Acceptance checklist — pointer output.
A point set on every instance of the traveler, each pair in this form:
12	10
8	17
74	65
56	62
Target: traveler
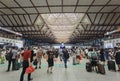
9	59
117	57
26	64
102	56
78	55
60	54
39	55
50	60
107	54
32	55
92	55
65	56
14	56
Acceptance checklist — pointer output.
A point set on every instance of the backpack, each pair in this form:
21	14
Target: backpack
93	56
9	56
66	54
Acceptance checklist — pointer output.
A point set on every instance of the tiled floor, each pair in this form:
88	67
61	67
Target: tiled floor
72	73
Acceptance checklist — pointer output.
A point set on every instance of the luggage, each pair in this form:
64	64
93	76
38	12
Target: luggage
74	60
2	60
88	67
101	68
17	65
35	62
111	65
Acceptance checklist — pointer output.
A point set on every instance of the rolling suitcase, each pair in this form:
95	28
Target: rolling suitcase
17	65
88	67
111	66
74	60
101	69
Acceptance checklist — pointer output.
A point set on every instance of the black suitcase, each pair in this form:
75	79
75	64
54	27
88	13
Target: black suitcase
101	69
111	66
88	67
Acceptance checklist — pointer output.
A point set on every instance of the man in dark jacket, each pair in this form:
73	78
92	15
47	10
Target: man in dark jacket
65	56
117	57
9	59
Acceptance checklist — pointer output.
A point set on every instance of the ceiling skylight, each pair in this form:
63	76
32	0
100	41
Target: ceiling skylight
62	25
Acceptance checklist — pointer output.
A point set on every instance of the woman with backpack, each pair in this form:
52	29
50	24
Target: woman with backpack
92	55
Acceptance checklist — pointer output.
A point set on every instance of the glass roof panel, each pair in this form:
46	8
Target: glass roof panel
62	25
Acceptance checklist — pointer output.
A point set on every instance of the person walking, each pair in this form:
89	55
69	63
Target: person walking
9	59
117	57
50	60
60	54
26	64
14	57
39	55
65	56
78	58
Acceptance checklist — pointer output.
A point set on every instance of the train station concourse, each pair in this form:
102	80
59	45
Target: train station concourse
59	40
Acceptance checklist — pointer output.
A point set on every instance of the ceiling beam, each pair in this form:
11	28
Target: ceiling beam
62	12
89	35
104	24
109	5
76	5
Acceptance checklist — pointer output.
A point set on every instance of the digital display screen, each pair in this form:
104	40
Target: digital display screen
108	45
19	45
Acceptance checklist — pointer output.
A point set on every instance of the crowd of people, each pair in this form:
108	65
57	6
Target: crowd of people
28	56
104	56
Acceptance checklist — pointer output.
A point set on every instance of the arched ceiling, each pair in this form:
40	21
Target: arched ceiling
60	20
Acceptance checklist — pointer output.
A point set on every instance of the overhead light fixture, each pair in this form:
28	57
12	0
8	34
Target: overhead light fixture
10	31
111	32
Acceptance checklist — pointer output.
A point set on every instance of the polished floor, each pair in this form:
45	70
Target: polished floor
72	73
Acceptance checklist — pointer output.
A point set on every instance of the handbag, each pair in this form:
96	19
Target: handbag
7	57
30	69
